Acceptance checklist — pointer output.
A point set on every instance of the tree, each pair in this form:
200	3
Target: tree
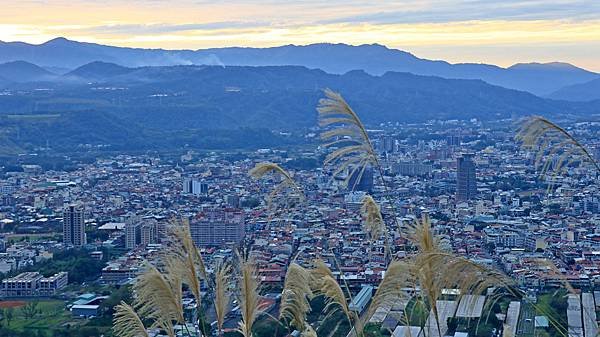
30	310
77	262
86	331
9	315
122	294
269	327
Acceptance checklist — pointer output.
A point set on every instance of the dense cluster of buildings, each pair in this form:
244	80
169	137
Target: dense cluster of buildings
483	194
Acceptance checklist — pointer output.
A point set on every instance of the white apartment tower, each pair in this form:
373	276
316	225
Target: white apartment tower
133	232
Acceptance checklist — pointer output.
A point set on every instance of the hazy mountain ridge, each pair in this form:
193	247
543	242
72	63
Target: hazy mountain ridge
225	107
432	96
21	71
537	78
579	92
540	79
98	71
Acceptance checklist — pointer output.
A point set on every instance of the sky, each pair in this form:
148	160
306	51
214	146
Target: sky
501	32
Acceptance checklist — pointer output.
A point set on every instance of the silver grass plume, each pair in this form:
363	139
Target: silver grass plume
296	296
182	236
326	285
555	272
308	332
373	223
127	323
159	297
249	298
319	271
554	145
391	288
222	293
421	235
470	278
287	182
433	269
425	273
336	298
345	131
457	272
184	258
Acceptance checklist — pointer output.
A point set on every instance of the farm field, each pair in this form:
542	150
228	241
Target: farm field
49	314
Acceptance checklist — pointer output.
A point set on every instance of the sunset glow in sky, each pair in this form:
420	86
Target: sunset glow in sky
501	32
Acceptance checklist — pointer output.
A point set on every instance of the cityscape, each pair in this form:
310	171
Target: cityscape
481	191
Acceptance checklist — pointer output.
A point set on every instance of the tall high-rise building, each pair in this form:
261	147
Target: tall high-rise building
233	200
466	182
133	232
453	141
218	226
388	144
361	182
194	186
149	232
74	226
187	186
412	169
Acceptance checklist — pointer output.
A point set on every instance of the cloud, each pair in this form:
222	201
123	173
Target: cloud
165	28
467	10
498	31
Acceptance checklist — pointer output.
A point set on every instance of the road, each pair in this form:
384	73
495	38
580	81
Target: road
526	326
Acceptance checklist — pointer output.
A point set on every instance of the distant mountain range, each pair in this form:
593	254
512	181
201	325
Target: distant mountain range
540	79
579	92
21	71
236	106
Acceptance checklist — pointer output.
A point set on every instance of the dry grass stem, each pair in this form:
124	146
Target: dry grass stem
345	132
222	293
391	289
249	298
555	147
159	296
287	183
183	258
296	296
372	219
309	332
127	323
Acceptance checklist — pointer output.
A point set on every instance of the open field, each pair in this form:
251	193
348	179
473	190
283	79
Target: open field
33	236
11	304
52	319
52	314
554	306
